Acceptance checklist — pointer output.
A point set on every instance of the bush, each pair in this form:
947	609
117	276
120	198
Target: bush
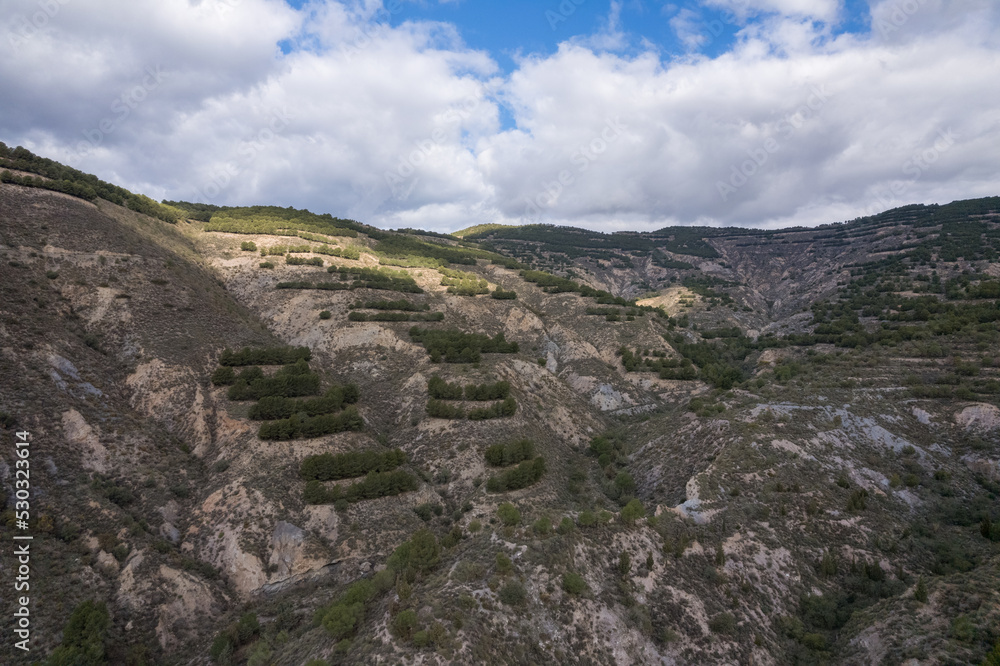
271	408
542	526
422	552
341	620
267	264
84	636
482	392
858	501
632	512
325	314
574	583
439	389
224	376
454	346
500	294
513	593
502	455
521	476
498	410
248	246
440	409
302	261
403	624
303	426
723	623
509	514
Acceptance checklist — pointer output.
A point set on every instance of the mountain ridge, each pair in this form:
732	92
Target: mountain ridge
807	418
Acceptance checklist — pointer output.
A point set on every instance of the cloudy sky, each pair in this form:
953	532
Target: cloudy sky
440	114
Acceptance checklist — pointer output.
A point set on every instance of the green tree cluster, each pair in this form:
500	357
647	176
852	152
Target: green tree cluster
372	486
291	381
274	407
454	346
511	453
301	425
333	466
522	476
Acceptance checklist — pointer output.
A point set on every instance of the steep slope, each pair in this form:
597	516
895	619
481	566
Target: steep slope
709	493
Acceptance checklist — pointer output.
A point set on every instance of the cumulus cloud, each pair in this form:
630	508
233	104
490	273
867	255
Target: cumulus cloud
400	125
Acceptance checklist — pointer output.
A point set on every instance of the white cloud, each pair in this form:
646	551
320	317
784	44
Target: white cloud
823	10
690	28
400	126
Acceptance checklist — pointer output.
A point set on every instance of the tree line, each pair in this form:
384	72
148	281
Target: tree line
454	346
439	389
333	466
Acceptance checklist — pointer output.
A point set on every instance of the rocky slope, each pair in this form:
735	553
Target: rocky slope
825	506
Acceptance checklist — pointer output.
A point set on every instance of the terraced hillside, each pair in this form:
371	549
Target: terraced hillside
265	436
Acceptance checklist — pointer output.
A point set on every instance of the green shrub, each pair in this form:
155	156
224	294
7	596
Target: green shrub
440	409
587	518
248	246
858	501
482	392
513	593
498	410
439	389
632	512
573	583
454	346
421	552
522	476
723	623
509	514
341	620
271	408
542	526
403	624
223	376
303	426
84	636
302	261
511	453
267	264
325	314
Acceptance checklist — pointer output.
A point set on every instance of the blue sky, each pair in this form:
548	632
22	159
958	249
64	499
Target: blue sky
611	115
512	29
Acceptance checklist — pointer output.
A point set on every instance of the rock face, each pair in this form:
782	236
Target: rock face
979	418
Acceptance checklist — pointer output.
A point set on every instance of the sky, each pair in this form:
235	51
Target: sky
442	114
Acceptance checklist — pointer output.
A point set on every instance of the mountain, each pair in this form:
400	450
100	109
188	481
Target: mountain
261	435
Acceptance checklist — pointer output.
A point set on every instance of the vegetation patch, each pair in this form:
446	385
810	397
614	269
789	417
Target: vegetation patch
454	346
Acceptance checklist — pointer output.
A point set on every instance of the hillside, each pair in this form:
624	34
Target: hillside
262	435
